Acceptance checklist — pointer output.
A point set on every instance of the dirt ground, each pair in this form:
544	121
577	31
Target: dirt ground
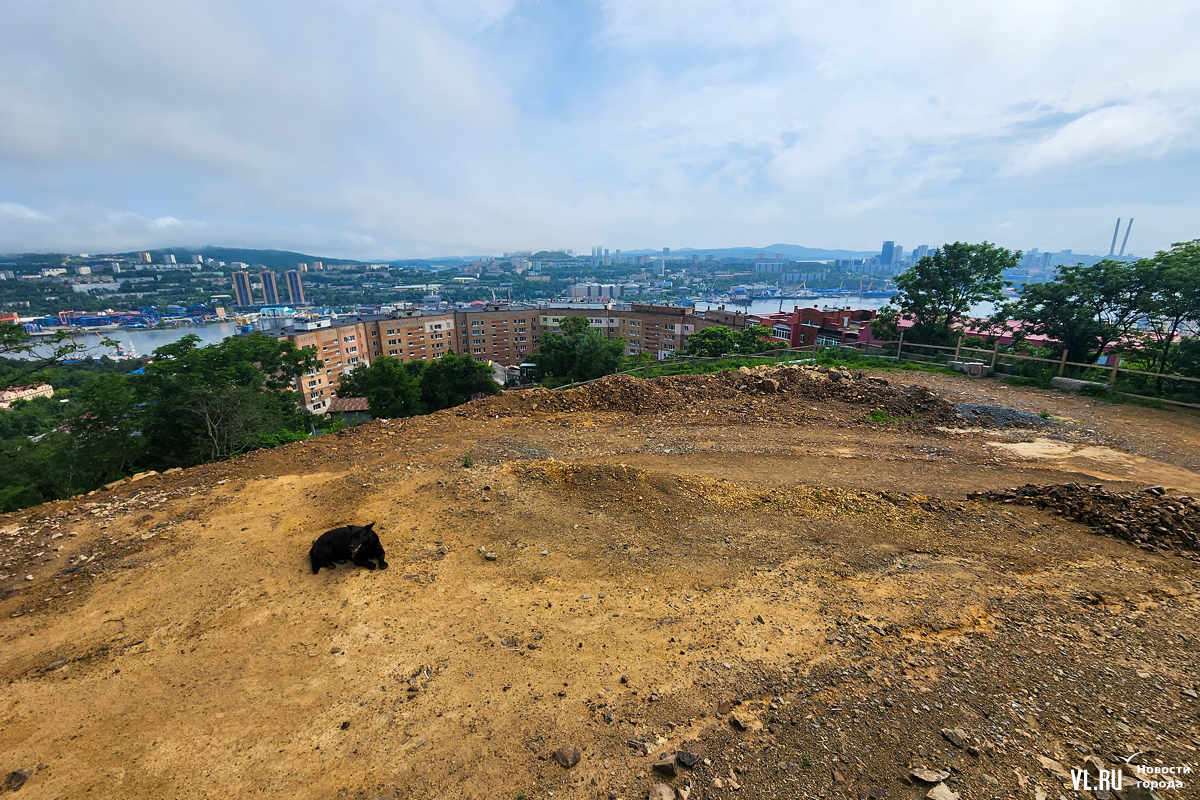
754	573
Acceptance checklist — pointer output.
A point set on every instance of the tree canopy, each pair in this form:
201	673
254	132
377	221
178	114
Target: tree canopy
453	380
938	290
1086	308
192	404
579	352
720	340
391	388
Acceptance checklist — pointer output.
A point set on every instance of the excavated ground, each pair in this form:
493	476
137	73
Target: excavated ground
744	567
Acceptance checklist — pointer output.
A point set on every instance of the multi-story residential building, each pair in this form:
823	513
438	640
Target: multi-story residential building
241	288
270	289
295	287
804	327
12	394
493	332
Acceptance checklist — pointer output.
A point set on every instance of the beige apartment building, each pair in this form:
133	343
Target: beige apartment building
494	333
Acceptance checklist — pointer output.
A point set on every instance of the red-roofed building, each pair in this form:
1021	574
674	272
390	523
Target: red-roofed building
804	327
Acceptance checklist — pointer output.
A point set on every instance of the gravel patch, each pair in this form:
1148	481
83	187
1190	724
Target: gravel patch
1000	417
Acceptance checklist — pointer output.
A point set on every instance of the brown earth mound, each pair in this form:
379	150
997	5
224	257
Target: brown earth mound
778	388
1149	518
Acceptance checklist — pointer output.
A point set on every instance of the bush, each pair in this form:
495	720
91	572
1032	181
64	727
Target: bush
14	498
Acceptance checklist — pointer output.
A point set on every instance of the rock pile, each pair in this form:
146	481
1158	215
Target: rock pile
1150	518
782	386
999	417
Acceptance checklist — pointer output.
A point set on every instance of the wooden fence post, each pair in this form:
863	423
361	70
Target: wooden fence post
995	353
958	347
1062	363
900	346
1112	378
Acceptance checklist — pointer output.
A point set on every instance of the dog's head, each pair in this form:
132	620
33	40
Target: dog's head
360	535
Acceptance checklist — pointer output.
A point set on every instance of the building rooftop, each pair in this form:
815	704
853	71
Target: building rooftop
347	404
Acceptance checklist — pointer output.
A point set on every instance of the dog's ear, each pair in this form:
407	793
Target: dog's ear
369	526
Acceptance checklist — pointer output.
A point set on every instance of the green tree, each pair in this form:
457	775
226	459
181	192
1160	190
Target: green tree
354	382
719	340
105	440
391	390
579	352
940	288
712	342
1172	297
453	380
1086	308
886	325
207	403
36	356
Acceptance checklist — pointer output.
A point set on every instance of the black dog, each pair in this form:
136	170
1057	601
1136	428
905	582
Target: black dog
357	543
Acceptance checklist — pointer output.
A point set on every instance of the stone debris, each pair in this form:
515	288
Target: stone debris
660	791
955	736
929	775
999	417
667	766
1149	518
941	792
16	779
567	757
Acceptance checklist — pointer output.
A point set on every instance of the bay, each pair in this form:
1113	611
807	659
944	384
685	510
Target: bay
145	340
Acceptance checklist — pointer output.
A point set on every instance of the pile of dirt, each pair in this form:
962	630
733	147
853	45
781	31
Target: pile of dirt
664	394
1150	518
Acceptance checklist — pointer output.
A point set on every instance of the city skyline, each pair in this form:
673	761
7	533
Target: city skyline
385	131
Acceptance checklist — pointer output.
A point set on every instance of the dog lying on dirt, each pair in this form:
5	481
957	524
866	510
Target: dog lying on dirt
357	543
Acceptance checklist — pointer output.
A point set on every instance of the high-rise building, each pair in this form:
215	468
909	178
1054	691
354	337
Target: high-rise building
295	288
270	290
144	258
889	249
241	288
302	267
920	252
898	255
169	259
197	259
666	252
318	266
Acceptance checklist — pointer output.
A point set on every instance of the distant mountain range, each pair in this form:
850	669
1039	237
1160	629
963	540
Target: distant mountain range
287	259
793	252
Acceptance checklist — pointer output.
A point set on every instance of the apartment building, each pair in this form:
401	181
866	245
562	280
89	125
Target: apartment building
495	333
804	327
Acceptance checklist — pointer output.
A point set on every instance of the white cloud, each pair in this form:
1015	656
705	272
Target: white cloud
20	212
404	127
1106	136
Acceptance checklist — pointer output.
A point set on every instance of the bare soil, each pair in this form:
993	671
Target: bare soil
756	574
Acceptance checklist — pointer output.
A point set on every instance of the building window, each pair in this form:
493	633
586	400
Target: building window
393	352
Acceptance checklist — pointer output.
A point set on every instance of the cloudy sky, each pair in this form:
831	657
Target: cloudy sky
388	129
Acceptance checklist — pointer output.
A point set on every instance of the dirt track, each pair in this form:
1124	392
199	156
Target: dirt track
657	556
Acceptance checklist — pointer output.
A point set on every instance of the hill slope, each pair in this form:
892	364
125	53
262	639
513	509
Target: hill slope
755	574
